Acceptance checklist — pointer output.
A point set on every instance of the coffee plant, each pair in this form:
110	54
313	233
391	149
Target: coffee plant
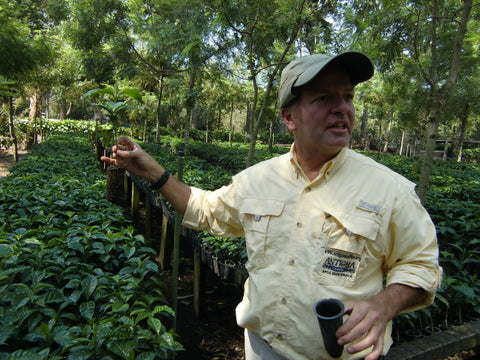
76	280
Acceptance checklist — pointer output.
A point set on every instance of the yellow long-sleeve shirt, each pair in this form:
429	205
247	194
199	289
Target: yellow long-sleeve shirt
353	230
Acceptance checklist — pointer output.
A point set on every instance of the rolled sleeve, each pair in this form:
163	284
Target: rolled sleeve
214	211
413	259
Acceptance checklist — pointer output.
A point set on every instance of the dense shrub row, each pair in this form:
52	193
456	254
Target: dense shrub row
232	157
76	281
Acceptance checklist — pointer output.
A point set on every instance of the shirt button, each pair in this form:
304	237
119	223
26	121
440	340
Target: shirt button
291	262
308	189
283	301
279	336
299	224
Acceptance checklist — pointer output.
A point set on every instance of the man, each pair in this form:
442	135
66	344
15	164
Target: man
321	221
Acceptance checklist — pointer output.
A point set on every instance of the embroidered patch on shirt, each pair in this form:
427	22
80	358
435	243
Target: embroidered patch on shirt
338	268
369	206
337	263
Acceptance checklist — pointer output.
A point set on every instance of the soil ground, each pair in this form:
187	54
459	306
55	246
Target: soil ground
215	334
7	160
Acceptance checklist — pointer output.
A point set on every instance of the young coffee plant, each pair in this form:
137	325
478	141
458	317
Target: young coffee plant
76	280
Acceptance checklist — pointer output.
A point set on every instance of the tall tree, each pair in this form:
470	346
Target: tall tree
93	35
440	82
431	35
25	49
266	32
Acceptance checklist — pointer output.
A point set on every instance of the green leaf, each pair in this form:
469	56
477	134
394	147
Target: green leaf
119	307
63	337
107	90
133	93
89	284
129	251
156	325
146	356
5	250
87	309
124	349
163	309
74	296
23	355
80	353
5	332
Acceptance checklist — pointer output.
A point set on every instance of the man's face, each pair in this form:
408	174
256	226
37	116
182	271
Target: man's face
323	116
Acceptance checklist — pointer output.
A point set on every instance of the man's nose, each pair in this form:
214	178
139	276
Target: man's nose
340	104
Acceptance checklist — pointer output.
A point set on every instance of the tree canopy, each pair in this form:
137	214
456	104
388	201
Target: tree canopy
216	64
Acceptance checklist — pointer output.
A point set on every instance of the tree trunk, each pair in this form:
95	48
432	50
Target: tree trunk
270	138
62	110
445	150
388	133
438	94
34	114
248	120
402	144
159	107
460	138
364	126
230	132
429	154
145	126
11	128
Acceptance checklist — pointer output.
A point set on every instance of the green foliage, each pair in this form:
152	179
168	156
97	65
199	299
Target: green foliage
230	250
453	203
471	155
76	281
115	101
232	157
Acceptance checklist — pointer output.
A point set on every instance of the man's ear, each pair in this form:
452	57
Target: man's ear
287	116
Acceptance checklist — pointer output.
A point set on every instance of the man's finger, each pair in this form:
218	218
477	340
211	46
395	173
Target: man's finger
125	142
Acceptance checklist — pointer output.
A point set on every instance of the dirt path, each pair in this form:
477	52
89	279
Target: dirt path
7	160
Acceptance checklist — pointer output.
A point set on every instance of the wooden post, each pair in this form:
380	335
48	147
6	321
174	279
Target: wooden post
197	283
148	216
135	200
176	244
163	242
127	185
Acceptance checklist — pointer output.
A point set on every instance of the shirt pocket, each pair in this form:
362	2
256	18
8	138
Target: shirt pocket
345	237
258	218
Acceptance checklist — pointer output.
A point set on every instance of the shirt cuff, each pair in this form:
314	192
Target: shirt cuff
191	216
418	277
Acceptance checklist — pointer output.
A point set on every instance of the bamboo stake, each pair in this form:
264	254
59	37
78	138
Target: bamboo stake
135	200
163	242
176	243
148	216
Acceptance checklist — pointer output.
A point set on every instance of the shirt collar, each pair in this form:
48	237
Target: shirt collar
328	170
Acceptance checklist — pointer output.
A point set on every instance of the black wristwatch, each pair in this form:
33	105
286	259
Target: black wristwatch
160	182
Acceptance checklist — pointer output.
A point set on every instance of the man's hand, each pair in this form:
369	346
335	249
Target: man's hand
129	155
369	318
132	157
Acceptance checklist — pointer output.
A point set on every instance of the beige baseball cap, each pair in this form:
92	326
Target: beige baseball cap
302	70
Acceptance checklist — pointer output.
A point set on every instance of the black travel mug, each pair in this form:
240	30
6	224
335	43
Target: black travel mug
329	313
